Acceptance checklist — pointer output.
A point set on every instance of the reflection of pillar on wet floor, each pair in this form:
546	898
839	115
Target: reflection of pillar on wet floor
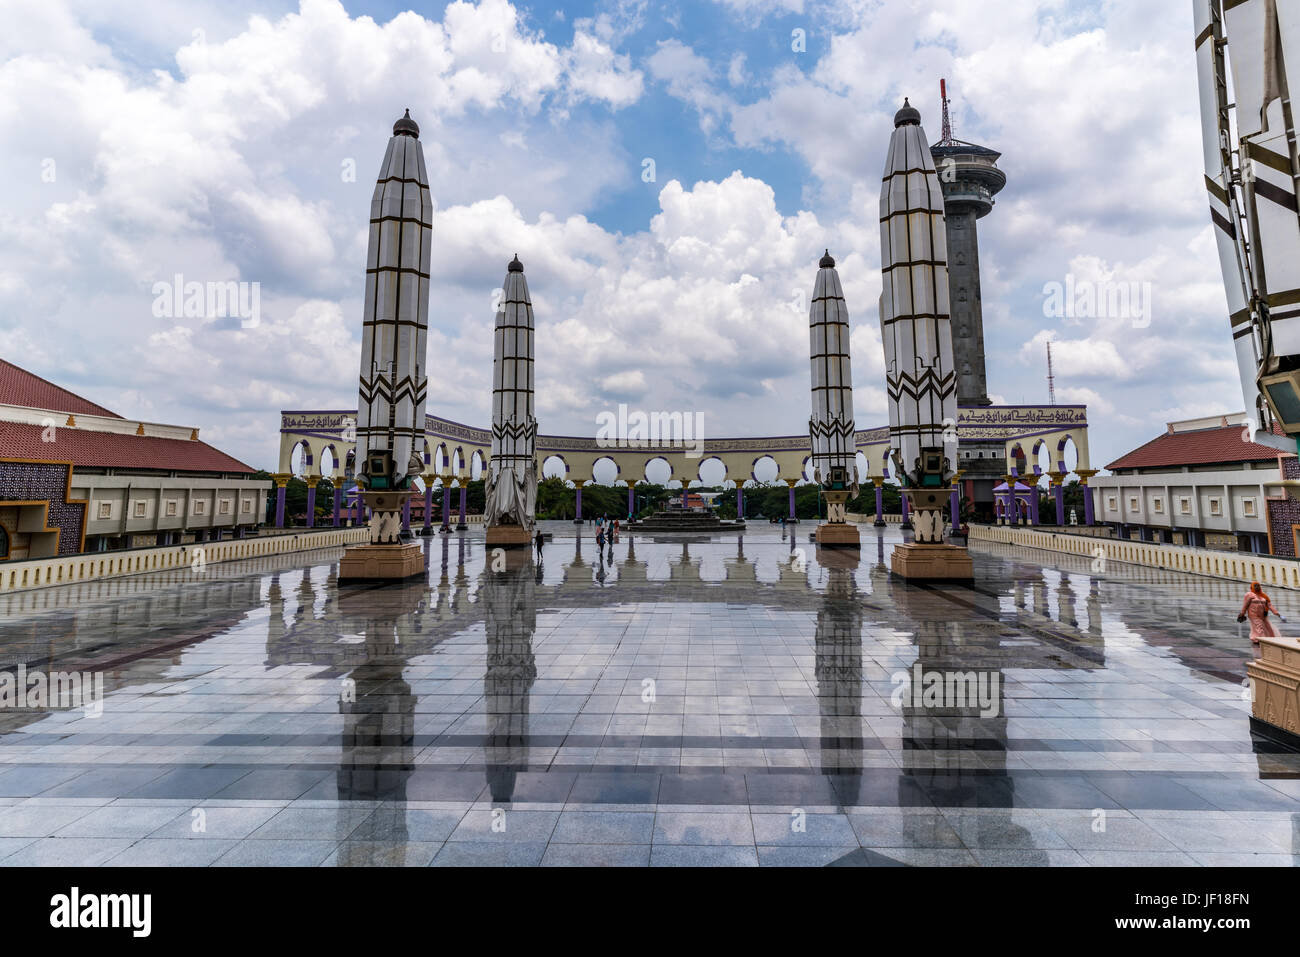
510	670
1065	602
1039	587
378	745
955	748
1094	607
837	667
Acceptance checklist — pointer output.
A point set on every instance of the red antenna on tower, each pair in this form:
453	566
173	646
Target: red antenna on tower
1051	379
946	139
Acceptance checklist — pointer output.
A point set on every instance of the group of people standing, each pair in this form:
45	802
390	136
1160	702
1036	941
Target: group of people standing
603	526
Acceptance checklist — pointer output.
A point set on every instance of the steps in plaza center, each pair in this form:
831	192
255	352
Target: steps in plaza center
685	520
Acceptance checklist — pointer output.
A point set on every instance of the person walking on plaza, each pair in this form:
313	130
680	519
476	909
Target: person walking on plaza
1256	606
540	540
600	538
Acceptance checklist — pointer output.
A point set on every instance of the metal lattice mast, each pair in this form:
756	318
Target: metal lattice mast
1051	379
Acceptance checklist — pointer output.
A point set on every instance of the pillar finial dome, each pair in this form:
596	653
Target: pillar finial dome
406	126
515	265
907	115
828	261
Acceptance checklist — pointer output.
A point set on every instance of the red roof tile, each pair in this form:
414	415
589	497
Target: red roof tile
108	450
20	387
1199	447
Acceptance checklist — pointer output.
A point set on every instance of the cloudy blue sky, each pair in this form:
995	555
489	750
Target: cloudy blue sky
146	139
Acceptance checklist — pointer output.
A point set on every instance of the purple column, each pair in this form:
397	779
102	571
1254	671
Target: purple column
446	507
311	504
792	515
631	500
954	503
903	498
428	510
740	501
1059	492
577	506
279	506
1087	505
880	505
462	524
1034	506
406	515
338	502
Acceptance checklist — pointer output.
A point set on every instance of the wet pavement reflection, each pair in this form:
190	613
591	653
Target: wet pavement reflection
663	700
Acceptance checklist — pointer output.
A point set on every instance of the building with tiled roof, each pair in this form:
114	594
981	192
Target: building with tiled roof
76	476
1201	482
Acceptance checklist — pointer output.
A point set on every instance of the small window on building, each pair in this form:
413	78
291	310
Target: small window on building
1248	508
1112	503
1133	504
171	508
140	510
1215	507
246	506
199	507
105	509
1185	505
225	506
1159	504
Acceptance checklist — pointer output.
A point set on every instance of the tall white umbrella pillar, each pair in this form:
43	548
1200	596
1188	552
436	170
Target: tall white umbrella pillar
915	330
393	380
830	428
512	469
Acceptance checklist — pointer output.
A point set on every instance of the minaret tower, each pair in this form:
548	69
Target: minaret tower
393	380
512	469
917	339
834	448
970	178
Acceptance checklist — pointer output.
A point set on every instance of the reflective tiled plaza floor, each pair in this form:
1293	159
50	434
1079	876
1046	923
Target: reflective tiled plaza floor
668	702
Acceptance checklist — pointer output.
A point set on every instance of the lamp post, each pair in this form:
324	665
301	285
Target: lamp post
429	478
445	528
577	500
461	479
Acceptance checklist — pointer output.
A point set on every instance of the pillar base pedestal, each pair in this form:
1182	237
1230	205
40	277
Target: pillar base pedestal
508	536
880	524
1275	687
371	563
940	563
837	535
